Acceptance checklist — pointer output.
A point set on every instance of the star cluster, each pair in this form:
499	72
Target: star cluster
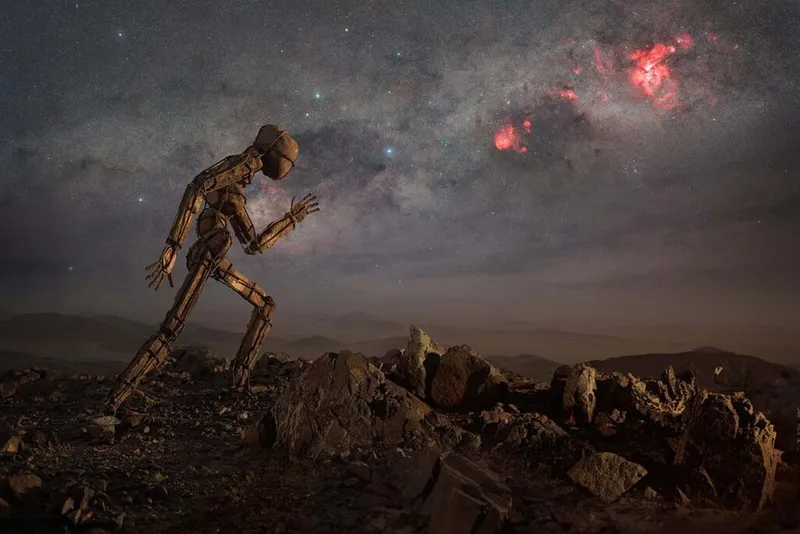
614	209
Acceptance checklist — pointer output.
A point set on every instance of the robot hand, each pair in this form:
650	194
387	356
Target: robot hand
308	204
163	267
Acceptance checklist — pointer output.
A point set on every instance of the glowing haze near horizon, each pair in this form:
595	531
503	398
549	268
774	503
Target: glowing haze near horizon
580	163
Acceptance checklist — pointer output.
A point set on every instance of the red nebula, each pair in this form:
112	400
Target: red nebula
652	75
526	126
602	64
577	69
508	138
568	94
684	40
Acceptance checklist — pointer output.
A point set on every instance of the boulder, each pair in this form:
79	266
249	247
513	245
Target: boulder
13	445
341	401
454	494
198	362
579	398
728	450
413	363
464	381
12	381
606	475
23	485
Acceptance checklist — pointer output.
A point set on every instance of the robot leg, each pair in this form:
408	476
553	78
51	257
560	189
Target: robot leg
203	258
258	327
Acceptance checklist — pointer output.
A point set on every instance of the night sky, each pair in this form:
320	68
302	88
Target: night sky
562	163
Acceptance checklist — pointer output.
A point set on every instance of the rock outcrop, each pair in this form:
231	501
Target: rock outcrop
455	379
464	381
340	402
413	363
463	449
729	452
454	494
710	446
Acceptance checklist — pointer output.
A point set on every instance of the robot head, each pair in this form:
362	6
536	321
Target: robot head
280	151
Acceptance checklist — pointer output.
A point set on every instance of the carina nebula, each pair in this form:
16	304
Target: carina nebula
561	163
596	75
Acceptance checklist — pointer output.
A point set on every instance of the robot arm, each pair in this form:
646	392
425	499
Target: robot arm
243	226
271	234
225	172
278	229
190	205
229	170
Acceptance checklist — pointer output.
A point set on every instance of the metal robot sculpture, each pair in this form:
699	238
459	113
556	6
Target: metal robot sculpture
221	187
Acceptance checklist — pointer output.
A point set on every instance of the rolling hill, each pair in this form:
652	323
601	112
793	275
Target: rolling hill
703	361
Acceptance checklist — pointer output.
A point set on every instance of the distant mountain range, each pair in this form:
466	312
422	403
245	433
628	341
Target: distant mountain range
62	337
21	360
703	361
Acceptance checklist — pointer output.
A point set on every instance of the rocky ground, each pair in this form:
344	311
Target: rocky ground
423	440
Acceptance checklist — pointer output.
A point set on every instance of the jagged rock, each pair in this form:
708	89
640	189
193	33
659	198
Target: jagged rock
9	387
12	381
734	448
412	364
198	362
341	401
103	429
580	397
606	475
650	401
455	494
464	381
13	445
540	439
391	359
22	485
